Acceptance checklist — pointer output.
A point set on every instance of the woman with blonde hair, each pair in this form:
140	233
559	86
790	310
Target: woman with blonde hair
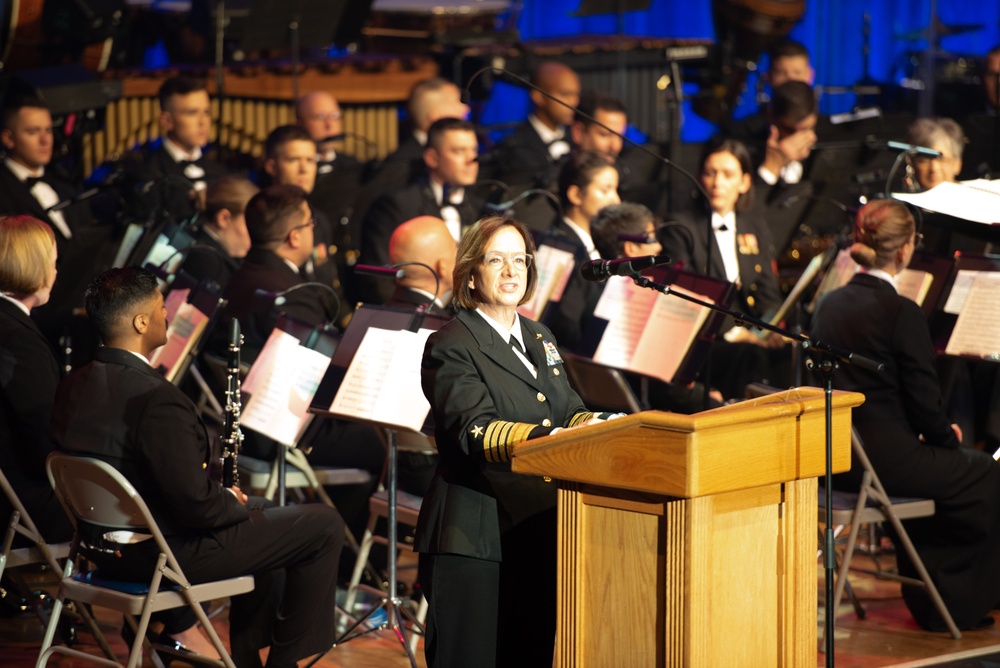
911	443
29	372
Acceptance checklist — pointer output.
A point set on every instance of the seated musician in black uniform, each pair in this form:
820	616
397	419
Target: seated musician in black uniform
971	389
290	158
443	192
911	443
29	376
425	240
280	224
588	182
531	156
487	536
177	166
30	184
120	410
429	101
29	373
732	243
338	175
221	240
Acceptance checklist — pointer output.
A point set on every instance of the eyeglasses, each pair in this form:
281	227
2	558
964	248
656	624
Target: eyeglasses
309	223
519	261
332	116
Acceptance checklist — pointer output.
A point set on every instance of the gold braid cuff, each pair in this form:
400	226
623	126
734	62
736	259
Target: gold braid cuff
501	436
580	418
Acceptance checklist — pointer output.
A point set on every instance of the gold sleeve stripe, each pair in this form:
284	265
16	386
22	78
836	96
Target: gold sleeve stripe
501	436
580	418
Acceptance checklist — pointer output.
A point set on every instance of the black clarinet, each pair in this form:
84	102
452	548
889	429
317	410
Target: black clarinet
232	437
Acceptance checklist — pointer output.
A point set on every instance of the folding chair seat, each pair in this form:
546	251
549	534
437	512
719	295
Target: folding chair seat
38	552
93	492
873	504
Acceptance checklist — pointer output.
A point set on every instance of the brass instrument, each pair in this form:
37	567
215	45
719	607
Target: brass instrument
232	437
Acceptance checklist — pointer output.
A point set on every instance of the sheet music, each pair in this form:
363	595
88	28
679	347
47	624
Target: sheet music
186	327
173	302
554	269
977	331
914	284
960	290
281	385
382	383
911	283
648	332
978	200
129	240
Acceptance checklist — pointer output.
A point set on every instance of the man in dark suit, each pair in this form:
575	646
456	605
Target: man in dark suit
290	159
425	240
451	167
29	186
177	168
120	410
430	100
530	157
422	242
280	224
338	175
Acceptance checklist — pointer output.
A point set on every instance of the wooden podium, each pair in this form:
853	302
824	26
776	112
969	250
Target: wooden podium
690	540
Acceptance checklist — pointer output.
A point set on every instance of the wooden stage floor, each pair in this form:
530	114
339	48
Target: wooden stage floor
888	637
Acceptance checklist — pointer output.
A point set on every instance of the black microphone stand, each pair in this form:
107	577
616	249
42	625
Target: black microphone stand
501	72
829	358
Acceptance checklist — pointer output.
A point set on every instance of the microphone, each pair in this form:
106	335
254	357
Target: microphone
913	149
374	270
504	208
370	146
395	271
600	270
266	300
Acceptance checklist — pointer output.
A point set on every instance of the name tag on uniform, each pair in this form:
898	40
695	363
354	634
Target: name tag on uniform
551	354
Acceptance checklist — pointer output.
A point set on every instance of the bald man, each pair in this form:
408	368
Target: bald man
531	155
338	177
427	240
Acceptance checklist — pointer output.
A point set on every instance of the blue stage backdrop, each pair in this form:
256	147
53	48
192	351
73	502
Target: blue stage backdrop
833	31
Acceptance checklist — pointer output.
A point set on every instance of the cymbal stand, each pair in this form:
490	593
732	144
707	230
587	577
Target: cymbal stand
396	612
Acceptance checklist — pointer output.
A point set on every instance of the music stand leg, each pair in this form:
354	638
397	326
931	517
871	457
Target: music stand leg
393	605
282	469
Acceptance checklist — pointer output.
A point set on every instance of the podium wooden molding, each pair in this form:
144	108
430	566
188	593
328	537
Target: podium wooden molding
690	540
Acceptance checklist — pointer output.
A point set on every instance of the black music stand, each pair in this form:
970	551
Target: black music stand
381	317
295	24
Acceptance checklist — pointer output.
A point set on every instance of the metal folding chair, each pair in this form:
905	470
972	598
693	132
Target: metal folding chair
95	493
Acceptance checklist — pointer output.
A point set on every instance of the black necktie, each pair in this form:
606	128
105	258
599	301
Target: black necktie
30	182
516	345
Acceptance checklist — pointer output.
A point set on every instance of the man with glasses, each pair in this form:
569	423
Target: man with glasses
338	175
281	228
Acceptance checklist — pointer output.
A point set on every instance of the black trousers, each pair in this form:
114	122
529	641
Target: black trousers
292	552
482	613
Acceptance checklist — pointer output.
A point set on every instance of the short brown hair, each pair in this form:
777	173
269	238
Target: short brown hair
470	254
270	212
27	252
